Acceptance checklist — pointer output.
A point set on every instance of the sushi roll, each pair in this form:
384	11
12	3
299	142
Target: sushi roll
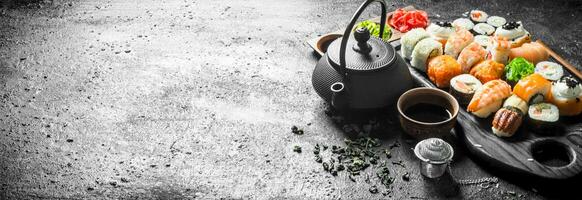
533	88
487	70
442	69
496	21
488	98
483	29
517	103
440	31
508	119
410	39
543	117
471	55
463	87
499	50
483	40
478	16
533	52
510	30
464	22
458	41
566	94
550	70
425	49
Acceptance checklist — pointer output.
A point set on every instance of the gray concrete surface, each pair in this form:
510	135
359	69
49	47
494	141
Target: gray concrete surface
173	99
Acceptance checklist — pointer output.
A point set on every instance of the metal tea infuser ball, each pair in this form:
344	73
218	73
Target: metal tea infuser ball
435	155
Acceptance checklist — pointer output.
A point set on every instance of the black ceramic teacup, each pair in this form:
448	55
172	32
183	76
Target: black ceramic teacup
427	112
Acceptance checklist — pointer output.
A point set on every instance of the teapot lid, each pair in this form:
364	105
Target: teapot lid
363	53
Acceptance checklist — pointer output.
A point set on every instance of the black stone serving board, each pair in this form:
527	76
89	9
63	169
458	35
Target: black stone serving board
558	154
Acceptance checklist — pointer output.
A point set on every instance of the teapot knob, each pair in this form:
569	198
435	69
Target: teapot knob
362	35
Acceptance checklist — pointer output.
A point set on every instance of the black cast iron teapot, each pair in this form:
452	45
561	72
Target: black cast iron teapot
361	72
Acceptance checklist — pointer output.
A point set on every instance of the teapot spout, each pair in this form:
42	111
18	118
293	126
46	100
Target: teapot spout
339	96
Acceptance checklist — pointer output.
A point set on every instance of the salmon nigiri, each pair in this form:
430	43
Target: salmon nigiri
488	98
487	70
458	41
471	55
533	52
533	88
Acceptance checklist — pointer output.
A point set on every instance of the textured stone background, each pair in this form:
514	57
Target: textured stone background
195	99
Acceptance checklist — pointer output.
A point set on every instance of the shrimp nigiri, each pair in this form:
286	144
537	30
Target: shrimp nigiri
533	52
520	41
499	50
487	70
458	41
533	88
488	98
471	55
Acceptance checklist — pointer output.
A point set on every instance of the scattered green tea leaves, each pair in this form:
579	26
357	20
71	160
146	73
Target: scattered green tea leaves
384	176
388	153
325	166
297	148
296	130
373	189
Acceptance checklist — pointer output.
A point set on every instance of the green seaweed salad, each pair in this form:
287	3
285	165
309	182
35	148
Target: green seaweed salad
374	29
518	68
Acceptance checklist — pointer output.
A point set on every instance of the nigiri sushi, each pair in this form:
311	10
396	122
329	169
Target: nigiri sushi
499	50
487	70
463	87
410	39
533	52
442	69
471	55
488	98
508	119
566	94
533	88
458	41
518	42
425	49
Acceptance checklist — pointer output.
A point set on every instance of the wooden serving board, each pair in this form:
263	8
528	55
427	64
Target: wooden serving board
554	156
319	44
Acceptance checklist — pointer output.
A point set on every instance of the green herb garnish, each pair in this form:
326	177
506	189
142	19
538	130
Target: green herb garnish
518	68
374	29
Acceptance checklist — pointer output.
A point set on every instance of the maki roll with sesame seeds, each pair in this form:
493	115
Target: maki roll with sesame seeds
566	94
511	30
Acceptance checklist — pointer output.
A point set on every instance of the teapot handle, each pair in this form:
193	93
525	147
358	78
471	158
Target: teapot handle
350	27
